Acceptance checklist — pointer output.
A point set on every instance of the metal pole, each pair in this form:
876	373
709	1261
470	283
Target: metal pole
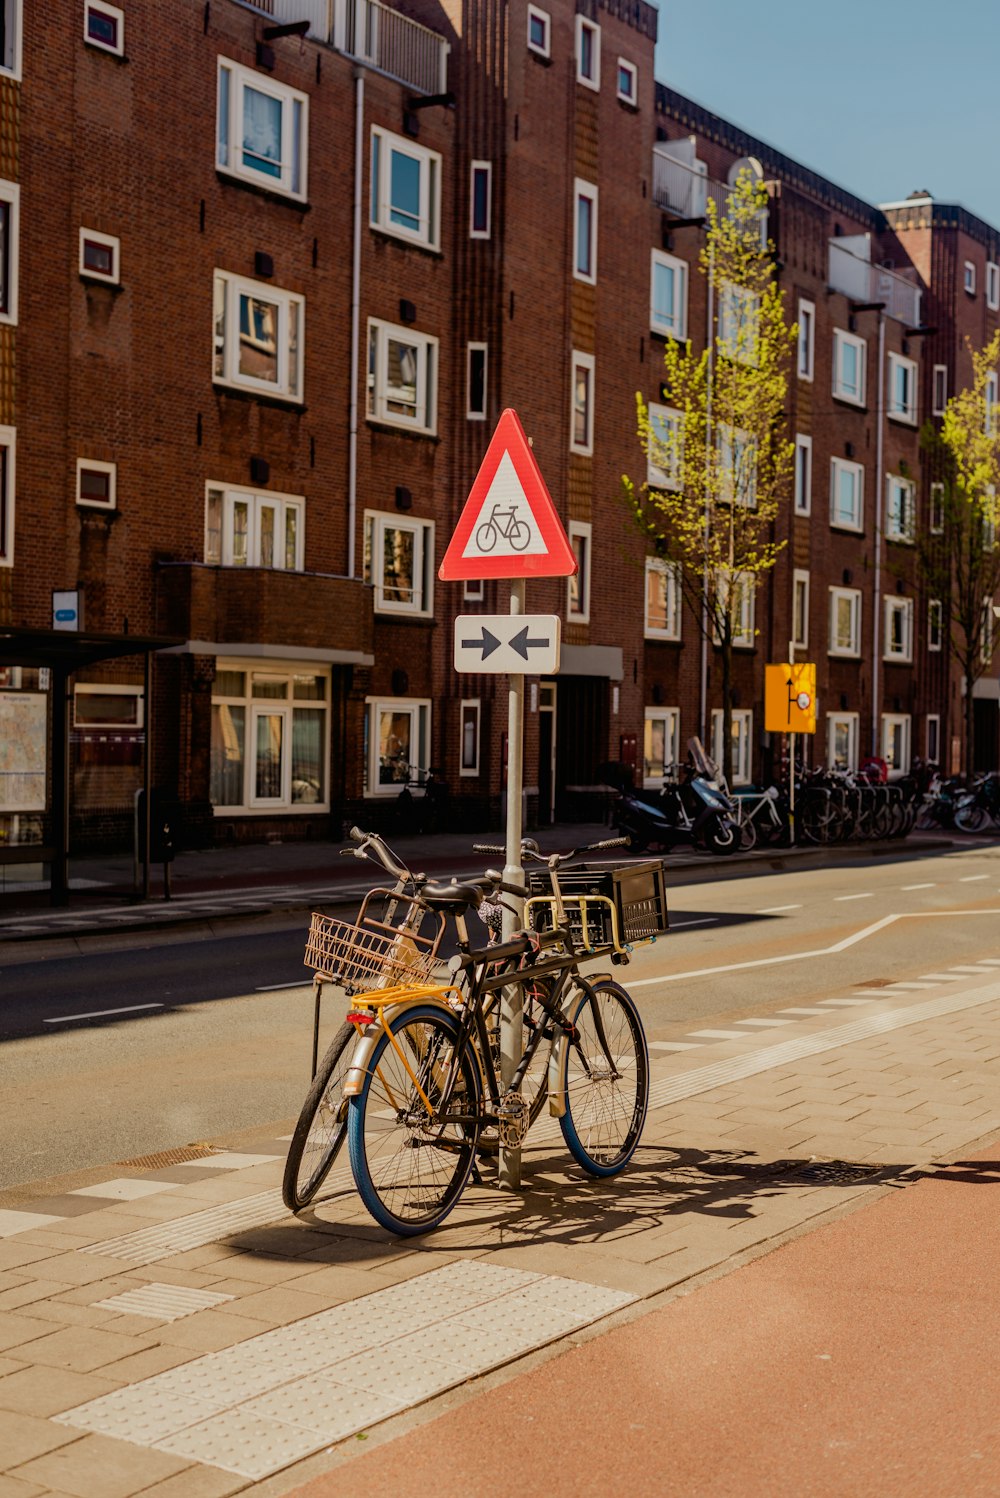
791	762
511	1002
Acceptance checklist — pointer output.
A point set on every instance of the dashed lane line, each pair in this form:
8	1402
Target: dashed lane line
865	895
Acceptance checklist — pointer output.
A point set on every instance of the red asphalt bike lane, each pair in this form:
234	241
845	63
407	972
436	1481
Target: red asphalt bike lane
861	1360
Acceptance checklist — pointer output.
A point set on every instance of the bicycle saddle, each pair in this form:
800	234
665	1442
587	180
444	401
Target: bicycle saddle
453	896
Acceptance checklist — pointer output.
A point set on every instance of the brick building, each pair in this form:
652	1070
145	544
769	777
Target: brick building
271	273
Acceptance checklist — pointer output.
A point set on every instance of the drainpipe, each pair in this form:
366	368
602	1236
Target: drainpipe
352	438
879	495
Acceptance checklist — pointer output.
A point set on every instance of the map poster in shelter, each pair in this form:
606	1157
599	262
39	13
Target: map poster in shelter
22	751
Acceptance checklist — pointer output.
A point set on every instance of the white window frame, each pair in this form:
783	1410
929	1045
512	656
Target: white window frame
10	64
8	465
935	624
992	285
896	608
935	518
473	706
907	409
380	393
223	554
800	588
661	420
744	630
932	742
670	573
837	522
535	13
851	723
578	585
670	717
742	742
10	193
585	192
803	474
95	466
733	444
108	242
229	132
675	326
471	413
632	96
891	721
253	707
991	395
594	79
118	16
377	522
418	709
738	311
480	169
577	362
901	524
986	632
229	289
852	650
428	232
806	343
939	389
473	590
109	689
969	277
843	340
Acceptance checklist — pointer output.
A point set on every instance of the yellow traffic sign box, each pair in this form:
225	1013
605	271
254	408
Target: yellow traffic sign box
790	698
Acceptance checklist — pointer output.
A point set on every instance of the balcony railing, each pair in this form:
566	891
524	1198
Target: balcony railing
857	278
686	189
372	32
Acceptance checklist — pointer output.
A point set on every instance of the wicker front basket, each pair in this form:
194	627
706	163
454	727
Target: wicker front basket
360	957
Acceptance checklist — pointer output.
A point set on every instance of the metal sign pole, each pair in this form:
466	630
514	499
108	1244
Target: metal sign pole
511	1002
791	760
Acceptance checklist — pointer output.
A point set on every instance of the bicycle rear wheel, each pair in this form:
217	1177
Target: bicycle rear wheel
535	1086
606	1101
410	1164
322	1125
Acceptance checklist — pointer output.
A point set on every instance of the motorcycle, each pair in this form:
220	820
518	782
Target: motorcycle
689	810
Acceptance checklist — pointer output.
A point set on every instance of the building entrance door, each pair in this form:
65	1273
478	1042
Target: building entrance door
546	753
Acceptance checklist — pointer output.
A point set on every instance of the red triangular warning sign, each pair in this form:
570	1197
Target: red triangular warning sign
509	527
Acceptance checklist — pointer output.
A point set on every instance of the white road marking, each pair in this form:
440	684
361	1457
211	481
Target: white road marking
801	1011
768	1024
972	878
274	987
969	968
65	1019
720	1034
778	909
866	896
704	921
846	1003
919	886
906	987
941	977
673	1045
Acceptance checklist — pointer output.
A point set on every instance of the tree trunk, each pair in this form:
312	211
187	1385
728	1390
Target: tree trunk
970	723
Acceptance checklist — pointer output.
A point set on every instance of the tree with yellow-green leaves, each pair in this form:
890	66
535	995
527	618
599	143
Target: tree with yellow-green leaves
957	548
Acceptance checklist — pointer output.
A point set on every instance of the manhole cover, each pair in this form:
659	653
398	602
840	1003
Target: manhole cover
162	1158
831	1172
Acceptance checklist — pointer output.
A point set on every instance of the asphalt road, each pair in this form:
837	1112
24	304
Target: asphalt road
144	1046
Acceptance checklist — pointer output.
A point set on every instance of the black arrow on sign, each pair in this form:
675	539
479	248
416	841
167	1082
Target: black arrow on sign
487	644
522	644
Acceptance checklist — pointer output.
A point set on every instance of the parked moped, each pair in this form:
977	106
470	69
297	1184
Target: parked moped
687	810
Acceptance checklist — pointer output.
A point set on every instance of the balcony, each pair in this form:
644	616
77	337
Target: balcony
681	185
371	32
852	273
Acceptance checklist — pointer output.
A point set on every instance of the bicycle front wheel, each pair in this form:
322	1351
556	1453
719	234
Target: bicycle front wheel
322	1125
605	1078
409	1158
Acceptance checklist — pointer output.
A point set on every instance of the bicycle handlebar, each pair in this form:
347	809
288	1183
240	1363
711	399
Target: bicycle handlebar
553	860
370	842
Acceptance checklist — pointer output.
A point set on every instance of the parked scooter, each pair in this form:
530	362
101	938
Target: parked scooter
688	810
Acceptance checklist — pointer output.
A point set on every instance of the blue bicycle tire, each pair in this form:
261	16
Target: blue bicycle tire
602	1126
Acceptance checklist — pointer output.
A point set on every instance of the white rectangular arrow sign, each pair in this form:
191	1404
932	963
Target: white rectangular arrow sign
507	644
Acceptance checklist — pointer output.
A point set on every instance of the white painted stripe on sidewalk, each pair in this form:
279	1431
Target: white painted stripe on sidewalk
801	1010
846	1003
720	1034
65	1019
673	1045
769	1024
970	968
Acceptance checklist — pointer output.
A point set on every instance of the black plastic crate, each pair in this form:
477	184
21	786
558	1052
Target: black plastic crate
637	891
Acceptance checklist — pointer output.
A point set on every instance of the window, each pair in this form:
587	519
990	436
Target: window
896	741
539	31
986	632
900	508
936	512
847	486
585	231
933	740
800	609
660	743
992	286
666	428
468	750
935	624
668	295
406	189
262	130
399	562
737	467
99	256
628	81
259	337
10	203
845	621
742	743
806	340
402	377
663	600
849	356
104	27
741	610
270	737
939	393
473	590
803	474
990	404
902	389
8	438
738	323
475	398
243	529
96	484
397	737
588	53
842	741
581	437
898	629
10	36
107	705
969	277
481	200
578	586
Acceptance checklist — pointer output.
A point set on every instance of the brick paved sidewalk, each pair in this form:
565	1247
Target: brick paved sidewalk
167	1328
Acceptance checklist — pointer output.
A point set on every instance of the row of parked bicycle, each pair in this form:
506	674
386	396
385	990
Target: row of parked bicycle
971	807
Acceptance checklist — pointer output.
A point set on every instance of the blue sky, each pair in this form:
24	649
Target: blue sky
880	96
